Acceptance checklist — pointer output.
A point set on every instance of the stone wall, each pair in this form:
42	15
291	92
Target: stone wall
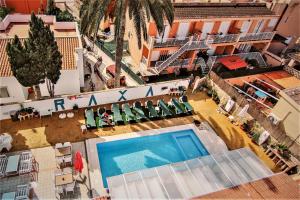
276	131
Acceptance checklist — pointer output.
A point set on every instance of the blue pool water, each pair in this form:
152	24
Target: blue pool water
123	156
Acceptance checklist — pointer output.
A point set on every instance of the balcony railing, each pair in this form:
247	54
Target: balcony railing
169	42
211	39
257	36
217	39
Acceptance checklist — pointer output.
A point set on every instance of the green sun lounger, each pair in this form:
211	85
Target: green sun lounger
164	108
117	117
100	122
178	108
151	109
187	105
90	121
128	113
100	111
137	107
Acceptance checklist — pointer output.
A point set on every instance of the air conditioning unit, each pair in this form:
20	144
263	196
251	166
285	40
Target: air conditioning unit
273	118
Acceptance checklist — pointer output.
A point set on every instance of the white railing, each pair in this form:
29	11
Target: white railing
161	42
228	38
257	36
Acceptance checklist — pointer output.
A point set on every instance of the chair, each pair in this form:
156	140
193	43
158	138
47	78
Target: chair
67	144
178	107
129	115
58	145
151	109
3	164
165	110
117	117
137	107
187	105
70	187
68	159
90	121
22	192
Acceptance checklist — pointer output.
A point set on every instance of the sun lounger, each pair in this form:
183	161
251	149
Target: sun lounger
151	109
164	108
117	117
12	165
26	156
3	163
129	115
137	107
90	121
177	105
187	105
25	167
101	122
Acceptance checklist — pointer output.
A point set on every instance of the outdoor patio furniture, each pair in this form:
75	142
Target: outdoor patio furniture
58	145
128	113
5	142
90	121
67	170
70	187
25	167
165	110
12	165
63	150
62	116
178	107
3	164
101	122
58	172
63	179
70	114
187	105
9	196
151	109
83	128
26	156
22	192
137	107
117	117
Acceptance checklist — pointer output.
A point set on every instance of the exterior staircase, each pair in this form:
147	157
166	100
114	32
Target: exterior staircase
190	45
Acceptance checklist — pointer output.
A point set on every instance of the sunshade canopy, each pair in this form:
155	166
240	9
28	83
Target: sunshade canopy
233	62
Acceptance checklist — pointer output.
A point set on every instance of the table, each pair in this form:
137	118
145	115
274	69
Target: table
70	114
62	116
12	164
9	196
63	151
63	179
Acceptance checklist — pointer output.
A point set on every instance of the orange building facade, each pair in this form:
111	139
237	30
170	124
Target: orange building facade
203	29
26	6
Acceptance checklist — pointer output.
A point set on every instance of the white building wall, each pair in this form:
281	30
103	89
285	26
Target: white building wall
68	83
102	97
79	62
17	93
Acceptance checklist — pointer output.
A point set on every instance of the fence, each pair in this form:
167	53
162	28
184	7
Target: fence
277	131
292	71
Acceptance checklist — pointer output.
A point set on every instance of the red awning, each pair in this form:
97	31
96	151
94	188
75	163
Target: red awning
233	62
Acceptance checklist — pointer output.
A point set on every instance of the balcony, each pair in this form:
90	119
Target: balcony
168	42
257	36
217	39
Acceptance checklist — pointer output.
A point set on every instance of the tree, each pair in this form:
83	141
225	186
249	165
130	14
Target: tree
39	60
51	9
140	11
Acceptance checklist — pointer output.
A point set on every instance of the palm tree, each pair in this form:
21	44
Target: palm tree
139	11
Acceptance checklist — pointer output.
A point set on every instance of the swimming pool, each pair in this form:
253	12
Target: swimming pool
128	155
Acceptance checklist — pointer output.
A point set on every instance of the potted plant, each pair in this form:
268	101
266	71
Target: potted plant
284	151
255	137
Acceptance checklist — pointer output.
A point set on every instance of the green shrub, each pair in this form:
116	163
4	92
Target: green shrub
4	11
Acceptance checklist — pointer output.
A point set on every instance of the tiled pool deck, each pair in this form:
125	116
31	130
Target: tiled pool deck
210	140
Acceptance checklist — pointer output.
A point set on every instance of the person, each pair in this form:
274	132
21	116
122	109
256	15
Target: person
105	117
192	78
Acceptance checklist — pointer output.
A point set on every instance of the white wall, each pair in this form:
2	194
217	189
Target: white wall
102	97
68	83
17	93
79	62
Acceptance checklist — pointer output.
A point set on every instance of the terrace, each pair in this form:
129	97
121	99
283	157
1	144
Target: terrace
36	132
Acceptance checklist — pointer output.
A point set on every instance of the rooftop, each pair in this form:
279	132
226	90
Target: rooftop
228	10
66	46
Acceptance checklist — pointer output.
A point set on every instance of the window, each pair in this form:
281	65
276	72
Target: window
3	92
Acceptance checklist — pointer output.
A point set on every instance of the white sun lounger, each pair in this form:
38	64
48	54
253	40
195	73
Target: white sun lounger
25	167
26	156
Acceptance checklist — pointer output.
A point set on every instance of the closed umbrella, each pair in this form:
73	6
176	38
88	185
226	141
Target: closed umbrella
78	163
